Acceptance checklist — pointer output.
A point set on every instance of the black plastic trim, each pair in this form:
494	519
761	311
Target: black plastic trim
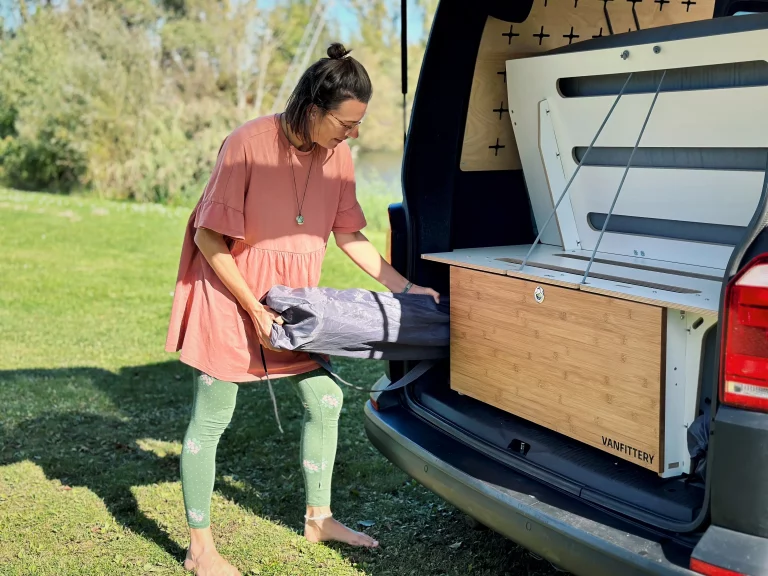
704	232
710	77
740	471
537	472
736	159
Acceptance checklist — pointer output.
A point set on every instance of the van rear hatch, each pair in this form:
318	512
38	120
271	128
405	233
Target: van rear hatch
533	380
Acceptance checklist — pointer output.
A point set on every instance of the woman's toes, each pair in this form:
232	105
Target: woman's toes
331	529
368	541
362	539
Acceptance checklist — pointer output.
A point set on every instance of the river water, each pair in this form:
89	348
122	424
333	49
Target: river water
379	172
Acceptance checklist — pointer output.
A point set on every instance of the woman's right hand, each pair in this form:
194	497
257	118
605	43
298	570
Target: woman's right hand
263	318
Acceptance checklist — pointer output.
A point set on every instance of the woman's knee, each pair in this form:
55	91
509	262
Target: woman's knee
332	398
321	395
214	406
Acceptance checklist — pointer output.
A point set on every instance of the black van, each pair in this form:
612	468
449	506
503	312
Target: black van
583	509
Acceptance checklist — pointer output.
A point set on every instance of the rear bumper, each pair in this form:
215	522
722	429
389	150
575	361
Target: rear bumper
552	524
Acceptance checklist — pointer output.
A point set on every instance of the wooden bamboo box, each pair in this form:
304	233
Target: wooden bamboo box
586	365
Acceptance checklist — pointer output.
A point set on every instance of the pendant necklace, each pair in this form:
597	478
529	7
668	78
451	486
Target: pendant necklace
300	217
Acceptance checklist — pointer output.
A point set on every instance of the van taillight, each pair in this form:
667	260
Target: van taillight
710	570
744	366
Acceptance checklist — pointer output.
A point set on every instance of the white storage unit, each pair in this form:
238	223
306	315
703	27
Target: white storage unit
697	176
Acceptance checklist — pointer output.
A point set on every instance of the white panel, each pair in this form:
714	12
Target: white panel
714	196
711	118
683	362
676	458
704	301
723	118
552	158
710	196
707	50
669	251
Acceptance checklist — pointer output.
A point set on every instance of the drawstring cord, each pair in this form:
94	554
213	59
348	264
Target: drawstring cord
415	373
271	391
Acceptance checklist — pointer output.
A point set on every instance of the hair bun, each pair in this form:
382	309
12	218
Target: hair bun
336	51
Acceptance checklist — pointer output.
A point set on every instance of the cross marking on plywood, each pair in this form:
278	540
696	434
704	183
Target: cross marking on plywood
571	36
501	110
541	34
589	16
688	4
510	34
496	147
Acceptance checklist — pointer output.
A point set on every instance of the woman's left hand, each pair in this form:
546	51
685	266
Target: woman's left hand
422	290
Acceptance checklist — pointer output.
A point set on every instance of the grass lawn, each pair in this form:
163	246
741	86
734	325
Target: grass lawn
92	411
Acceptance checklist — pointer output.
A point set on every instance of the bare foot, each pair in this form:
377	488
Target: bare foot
330	529
209	564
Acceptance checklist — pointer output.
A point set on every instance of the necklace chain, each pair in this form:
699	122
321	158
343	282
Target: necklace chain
300	206
300	216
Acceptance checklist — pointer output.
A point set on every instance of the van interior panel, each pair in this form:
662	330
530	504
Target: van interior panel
485	217
548	25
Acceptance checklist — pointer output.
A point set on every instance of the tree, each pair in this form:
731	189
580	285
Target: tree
132	98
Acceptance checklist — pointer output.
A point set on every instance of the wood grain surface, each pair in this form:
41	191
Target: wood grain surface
585	365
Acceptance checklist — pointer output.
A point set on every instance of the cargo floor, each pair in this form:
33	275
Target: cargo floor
592	474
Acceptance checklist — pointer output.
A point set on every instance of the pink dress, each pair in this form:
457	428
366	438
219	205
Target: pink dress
250	199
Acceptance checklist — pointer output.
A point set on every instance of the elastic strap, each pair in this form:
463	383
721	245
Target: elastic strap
419	370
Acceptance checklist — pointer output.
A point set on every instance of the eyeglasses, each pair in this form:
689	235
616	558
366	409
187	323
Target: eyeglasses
347	127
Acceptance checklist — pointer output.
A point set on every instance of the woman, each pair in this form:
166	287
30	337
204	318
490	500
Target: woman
281	184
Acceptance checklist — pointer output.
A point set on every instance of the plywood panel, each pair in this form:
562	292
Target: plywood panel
585	365
489	142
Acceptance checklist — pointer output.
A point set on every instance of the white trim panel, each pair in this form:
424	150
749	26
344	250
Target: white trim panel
722	118
552	159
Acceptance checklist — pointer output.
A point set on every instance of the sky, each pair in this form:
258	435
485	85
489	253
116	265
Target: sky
339	12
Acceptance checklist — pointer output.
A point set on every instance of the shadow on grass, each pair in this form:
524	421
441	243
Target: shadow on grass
86	424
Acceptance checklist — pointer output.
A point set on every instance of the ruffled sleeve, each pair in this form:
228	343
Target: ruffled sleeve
221	207
349	215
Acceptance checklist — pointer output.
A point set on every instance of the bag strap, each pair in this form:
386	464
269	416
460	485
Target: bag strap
416	372
271	391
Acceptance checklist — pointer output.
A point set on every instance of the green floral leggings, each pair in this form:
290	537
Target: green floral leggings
212	408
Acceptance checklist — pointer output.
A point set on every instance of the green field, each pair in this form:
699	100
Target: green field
92	411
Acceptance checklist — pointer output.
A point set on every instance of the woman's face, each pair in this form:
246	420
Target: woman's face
335	126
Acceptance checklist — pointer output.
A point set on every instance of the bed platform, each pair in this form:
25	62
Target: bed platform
644	166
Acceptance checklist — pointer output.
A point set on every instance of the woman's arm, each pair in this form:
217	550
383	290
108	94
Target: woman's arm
214	249
364	254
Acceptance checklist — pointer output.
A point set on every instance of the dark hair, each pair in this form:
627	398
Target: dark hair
326	84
